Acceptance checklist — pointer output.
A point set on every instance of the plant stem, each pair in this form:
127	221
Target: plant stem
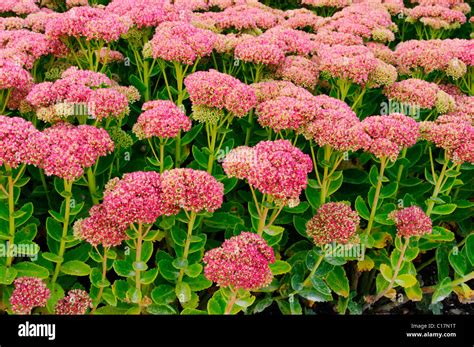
101	289
383	164
192	219
313	270
401	167
327	158
138	257
437	188
395	272
62	245
231	302
262	220
11	211
92	184
162	156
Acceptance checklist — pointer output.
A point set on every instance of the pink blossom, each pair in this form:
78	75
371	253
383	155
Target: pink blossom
76	302
273	89
191	190
241	262
411	221
144	13
29	292
162	118
299	70
333	222
259	50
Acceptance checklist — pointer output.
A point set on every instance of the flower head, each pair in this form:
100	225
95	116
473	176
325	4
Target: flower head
411	221
333	222
162	118
29	292
76	302
191	190
241	262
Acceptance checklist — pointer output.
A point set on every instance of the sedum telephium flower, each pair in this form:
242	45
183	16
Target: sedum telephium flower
333	222
29	292
76	302
161	118
259	50
453	133
424	94
67	149
387	135
241	262
217	90
411	221
299	70
276	168
181	42
18	140
191	190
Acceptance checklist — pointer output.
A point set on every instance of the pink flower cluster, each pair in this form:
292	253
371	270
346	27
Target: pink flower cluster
411	221
273	89
301	19
161	118
386	135
76	302
354	63
259	50
333	222
276	168
453	133
20	7
66	150
327	3
29	292
18	139
141	197
180	42
369	20
242	262
25	47
191	190
244	17
334	124
436	17
450	56
16	79
144	13
299	70
80	93
423	94
92	23
217	90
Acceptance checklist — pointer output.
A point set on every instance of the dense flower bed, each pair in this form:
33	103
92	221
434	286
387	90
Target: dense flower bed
227	156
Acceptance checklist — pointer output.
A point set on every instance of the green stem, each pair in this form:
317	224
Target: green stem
437	188
231	302
62	244
192	219
383	164
313	270
162	156
138	257
92	184
401	167
101	289
262	220
327	158
11	211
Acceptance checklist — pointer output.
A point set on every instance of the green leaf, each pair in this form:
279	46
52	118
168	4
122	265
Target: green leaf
198	283
280	267
442	262
406	280
26	213
338	282
167	270
183	292
274	230
386	272
163	294
458	261
217	304
75	268
312	195
193	270
469	246
223	220
361	208
444	209
29	269
300	225
191	135
7	275
314	295
414	293
335	185
178	235
135	81
442	291
295	306
374	175
96	279
199	156
160	309
389	190
54	229
149	276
